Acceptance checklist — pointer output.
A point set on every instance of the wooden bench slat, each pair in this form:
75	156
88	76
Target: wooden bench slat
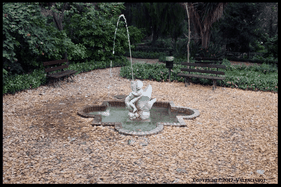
62	74
54	62
61	67
203	71
204	65
210	63
55	68
200	76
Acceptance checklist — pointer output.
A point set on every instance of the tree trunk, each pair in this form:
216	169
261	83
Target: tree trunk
205	39
186	7
175	44
154	37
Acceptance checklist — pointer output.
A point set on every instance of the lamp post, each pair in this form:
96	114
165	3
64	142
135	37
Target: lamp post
169	63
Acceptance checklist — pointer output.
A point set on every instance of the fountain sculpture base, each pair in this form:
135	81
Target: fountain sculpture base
162	113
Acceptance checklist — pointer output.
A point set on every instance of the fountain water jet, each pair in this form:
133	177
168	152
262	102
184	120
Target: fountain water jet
122	15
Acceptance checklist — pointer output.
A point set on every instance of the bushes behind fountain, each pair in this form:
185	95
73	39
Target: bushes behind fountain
243	77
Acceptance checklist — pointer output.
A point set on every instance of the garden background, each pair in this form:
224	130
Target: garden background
83	33
235	138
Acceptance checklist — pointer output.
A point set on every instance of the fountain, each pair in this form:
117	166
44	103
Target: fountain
114	113
122	15
137	113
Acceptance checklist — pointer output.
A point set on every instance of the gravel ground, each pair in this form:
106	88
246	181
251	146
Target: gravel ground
234	140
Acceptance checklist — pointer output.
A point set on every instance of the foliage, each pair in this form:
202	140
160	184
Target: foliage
239	27
142	54
260	59
181	48
16	83
159	19
259	48
269	19
213	51
257	77
271	44
94	28
264	77
176	24
28	40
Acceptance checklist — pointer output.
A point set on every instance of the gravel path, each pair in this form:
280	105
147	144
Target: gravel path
45	141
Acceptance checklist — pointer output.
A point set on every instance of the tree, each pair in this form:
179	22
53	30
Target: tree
158	19
156	13
202	16
175	19
94	29
239	26
188	43
268	19
28	40
57	11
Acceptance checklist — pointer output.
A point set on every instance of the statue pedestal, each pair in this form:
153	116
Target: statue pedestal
139	125
138	120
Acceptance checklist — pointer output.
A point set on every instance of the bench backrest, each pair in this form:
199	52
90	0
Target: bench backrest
56	62
210	64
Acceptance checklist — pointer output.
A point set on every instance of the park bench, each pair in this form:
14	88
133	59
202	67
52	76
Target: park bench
209	63
51	66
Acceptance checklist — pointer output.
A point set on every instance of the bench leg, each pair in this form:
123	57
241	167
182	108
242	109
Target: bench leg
187	81
72	78
49	81
59	82
55	83
214	84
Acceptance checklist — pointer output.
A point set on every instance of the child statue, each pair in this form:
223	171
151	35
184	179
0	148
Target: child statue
138	101
135	95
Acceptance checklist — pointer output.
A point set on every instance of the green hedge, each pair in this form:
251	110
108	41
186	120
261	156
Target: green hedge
264	77
16	83
255	60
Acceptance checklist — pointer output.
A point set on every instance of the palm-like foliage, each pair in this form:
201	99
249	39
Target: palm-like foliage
202	16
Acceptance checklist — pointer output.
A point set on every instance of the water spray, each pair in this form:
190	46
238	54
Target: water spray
122	15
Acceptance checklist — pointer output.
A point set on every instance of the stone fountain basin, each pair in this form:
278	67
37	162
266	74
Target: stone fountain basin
95	111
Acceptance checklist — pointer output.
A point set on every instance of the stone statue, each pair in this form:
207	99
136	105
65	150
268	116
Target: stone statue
134	95
138	101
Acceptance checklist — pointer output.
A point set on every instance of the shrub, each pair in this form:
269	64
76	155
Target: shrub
263	77
28	40
94	28
142	54
15	83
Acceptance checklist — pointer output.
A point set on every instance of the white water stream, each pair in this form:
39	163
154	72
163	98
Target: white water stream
122	15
